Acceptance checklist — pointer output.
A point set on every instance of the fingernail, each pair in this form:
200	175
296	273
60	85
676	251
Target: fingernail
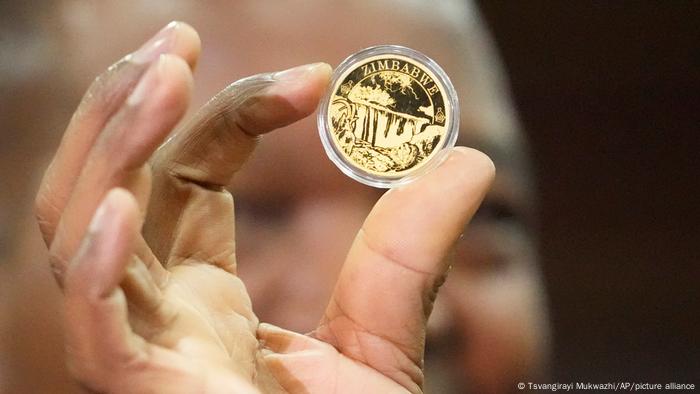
298	72
98	219
159	44
146	84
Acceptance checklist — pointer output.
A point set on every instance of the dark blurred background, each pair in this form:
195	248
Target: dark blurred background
609	94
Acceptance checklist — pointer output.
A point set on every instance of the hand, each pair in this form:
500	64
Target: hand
142	242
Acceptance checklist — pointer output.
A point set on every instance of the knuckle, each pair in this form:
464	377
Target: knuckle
430	294
43	209
394	254
46	213
58	266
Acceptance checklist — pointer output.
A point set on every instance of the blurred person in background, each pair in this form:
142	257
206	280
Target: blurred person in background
296	214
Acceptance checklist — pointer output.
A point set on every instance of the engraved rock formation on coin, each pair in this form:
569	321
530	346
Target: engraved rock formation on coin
387	114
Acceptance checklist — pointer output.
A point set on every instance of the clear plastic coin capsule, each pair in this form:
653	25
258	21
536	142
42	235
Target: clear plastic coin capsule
390	115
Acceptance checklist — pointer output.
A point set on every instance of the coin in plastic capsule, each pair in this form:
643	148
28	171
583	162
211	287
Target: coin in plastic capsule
390	115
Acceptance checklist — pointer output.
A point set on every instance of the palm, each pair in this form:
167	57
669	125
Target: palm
224	335
205	306
152	299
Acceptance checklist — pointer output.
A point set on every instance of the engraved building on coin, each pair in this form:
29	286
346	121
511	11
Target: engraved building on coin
389	113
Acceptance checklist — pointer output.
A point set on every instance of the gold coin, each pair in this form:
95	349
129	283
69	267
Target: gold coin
390	112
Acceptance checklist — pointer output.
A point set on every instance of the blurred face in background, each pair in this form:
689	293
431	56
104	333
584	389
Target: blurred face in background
296	214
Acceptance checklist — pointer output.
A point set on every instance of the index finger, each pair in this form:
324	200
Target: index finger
191	213
212	146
